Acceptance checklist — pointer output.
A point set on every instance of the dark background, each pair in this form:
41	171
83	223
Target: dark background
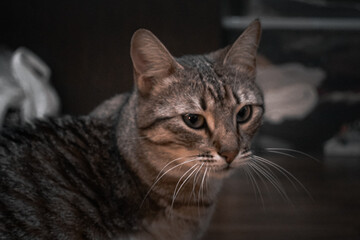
86	44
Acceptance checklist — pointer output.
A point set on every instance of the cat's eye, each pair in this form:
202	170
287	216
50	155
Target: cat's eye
244	114
194	121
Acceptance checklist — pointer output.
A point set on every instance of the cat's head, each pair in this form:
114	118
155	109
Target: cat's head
198	111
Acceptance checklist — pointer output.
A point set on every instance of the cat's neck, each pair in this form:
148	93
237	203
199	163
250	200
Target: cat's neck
126	133
128	139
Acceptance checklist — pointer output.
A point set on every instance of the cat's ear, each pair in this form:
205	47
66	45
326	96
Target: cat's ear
242	53
151	60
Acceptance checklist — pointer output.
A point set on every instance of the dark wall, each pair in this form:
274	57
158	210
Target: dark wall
86	43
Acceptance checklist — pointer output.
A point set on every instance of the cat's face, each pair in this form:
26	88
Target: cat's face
197	112
210	119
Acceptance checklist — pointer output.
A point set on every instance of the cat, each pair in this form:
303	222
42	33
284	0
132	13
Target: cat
143	165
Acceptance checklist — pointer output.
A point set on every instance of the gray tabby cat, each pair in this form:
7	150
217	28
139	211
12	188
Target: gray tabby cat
144	165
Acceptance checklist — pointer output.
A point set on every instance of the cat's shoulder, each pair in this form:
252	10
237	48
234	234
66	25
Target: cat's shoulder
110	107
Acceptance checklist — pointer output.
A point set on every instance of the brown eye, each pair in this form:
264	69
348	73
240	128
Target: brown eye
244	114
194	121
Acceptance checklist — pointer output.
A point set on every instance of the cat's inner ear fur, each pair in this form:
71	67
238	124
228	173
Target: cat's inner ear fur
242	53
151	60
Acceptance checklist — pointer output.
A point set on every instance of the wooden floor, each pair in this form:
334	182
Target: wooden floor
331	212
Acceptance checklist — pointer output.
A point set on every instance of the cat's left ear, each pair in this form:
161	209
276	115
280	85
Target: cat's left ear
242	54
151	60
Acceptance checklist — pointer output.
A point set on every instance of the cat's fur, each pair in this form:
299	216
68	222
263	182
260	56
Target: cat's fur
133	169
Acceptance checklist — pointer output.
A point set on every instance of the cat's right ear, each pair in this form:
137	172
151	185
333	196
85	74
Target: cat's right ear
151	60
242	53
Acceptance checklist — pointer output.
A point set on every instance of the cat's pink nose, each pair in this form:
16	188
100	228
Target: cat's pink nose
229	156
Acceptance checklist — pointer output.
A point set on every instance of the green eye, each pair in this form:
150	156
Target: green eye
244	114
194	121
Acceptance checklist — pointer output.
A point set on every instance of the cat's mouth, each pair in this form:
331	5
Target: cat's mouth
219	165
216	166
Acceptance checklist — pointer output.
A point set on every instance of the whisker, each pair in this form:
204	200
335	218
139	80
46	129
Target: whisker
254	182
262	174
207	179
272	180
268	170
176	191
195	181
295	151
201	189
282	153
280	169
171	163
240	162
245	170
159	178
285	173
275	166
246	154
144	137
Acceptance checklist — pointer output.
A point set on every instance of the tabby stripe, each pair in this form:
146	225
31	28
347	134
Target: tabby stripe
236	97
187	137
203	103
155	122
160	143
212	92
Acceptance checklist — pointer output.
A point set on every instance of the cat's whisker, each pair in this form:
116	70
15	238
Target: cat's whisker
254	182
195	180
290	177
278	150
282	153
246	154
271	179
172	161
268	169
266	165
146	137
177	190
159	178
244	157
240	162
201	189
259	176
207	178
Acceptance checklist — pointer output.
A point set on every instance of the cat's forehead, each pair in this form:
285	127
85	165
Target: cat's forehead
203	76
199	66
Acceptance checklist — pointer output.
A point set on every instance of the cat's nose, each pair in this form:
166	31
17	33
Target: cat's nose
229	156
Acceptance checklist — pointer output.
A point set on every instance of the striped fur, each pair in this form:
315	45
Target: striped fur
133	168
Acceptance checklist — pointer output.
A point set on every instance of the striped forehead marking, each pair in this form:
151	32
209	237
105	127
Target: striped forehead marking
213	83
209	78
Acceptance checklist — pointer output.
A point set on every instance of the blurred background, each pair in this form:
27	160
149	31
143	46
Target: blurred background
76	53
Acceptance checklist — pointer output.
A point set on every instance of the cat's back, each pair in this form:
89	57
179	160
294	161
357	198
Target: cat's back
63	179
57	139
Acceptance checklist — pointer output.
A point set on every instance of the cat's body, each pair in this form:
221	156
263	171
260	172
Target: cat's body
145	165
77	186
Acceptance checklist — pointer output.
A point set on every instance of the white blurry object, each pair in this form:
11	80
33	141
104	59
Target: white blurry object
336	147
289	90
346	143
24	80
11	95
